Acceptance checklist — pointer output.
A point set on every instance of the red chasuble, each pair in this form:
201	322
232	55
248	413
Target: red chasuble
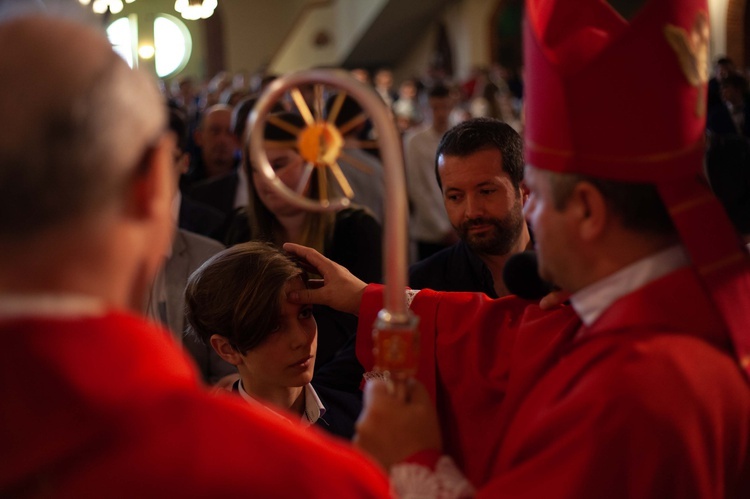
648	402
110	407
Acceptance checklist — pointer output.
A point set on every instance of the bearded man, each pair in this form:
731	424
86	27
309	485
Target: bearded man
479	168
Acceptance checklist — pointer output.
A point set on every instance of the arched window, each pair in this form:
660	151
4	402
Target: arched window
172	44
121	39
171	47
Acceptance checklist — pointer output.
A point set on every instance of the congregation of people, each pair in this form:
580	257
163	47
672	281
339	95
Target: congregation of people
192	332
219	197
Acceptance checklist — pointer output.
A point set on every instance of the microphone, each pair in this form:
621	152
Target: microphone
521	277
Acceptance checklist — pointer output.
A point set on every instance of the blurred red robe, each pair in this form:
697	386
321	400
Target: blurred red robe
110	407
648	402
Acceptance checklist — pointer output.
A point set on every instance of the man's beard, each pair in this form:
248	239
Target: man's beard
500	239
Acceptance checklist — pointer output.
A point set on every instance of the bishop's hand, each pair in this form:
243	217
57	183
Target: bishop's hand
397	423
338	289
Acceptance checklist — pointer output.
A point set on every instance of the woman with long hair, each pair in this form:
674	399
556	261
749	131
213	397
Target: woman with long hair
351	237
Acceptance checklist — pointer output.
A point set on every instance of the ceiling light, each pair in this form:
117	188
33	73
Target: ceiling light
101	6
195	9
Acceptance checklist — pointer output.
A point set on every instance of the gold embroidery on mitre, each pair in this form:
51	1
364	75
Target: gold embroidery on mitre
692	53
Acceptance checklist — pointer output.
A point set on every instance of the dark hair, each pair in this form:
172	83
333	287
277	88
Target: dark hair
238	294
638	205
728	171
239	115
241	112
349	110
178	124
438	91
274	132
724	61
478	134
318	226
735	80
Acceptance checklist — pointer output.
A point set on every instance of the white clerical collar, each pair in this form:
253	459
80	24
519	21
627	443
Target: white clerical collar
591	301
50	305
314	409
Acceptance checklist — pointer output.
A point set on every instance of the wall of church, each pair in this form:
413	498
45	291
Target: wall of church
467	23
325	34
253	32
256	34
717	11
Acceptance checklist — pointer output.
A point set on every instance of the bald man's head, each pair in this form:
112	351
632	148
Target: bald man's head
80	121
217	141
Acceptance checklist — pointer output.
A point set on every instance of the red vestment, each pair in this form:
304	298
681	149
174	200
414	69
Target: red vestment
110	407
648	402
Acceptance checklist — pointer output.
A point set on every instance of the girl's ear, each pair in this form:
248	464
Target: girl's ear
225	350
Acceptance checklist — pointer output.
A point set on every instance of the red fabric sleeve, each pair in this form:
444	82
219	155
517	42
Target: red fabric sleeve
427	458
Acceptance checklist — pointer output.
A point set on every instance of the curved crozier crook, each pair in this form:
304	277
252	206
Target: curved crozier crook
321	143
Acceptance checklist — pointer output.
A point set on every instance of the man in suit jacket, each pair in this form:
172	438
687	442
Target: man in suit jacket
217	154
167	299
730	116
219	181
192	215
